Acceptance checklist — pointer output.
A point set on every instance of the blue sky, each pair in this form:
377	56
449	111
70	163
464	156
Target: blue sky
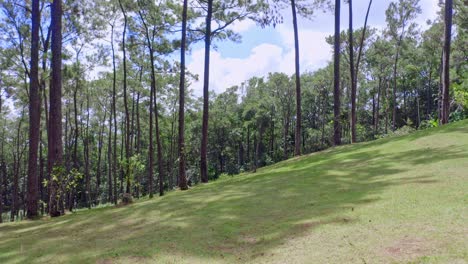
271	49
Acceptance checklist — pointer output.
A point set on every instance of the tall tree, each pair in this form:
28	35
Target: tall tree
398	17
336	77
446	62
34	114
127	115
55	150
182	174
206	81
297	145
352	74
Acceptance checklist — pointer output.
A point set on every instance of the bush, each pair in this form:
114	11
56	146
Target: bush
127	198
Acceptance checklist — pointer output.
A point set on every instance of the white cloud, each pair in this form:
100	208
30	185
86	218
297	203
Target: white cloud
314	51
242	26
264	58
227	72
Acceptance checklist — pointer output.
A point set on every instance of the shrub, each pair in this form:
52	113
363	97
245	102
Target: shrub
127	198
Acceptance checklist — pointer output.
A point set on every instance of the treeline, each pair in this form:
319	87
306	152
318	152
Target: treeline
74	138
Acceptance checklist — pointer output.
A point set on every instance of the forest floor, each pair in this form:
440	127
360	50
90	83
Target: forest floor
399	199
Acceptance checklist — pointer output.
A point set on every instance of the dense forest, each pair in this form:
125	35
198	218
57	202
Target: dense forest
96	105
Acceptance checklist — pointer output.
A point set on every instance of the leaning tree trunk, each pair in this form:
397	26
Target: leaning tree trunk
206	82
297	141
446	62
336	77
34	114
182	177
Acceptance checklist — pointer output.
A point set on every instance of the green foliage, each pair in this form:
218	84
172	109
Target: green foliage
429	123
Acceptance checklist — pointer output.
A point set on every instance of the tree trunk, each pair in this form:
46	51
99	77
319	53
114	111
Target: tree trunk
158	144
55	150
1	187
446	62
34	114
336	77
86	156
206	82
257	146
16	171
114	115
109	160
127	116
182	177
395	66
352	74
377	115
297	140
285	137
98	165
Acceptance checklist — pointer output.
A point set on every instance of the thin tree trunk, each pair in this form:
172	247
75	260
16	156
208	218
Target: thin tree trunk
98	165
395	66
109	160
336	77
446	62
182	177
34	114
352	74
86	155
158	145
2	162
55	150
429	94
127	116
206	82
297	141
16	169
114	115
1	187
377	115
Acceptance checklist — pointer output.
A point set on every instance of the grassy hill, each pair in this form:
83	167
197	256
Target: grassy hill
401	199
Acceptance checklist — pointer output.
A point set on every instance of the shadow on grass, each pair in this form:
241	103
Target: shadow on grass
233	220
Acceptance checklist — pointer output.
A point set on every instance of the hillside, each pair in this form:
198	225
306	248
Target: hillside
398	199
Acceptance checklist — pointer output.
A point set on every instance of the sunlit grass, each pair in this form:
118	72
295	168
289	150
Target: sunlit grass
400	199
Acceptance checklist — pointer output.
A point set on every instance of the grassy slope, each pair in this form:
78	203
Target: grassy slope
393	200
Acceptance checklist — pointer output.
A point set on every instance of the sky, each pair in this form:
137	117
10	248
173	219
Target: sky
265	50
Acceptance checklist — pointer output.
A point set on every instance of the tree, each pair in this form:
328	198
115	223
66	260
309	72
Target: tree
225	14
352	73
336	77
55	150
297	144
125	98
206	81
34	113
182	176
354	70
398	17
446	62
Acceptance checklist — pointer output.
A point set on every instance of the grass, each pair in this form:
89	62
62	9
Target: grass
401	199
